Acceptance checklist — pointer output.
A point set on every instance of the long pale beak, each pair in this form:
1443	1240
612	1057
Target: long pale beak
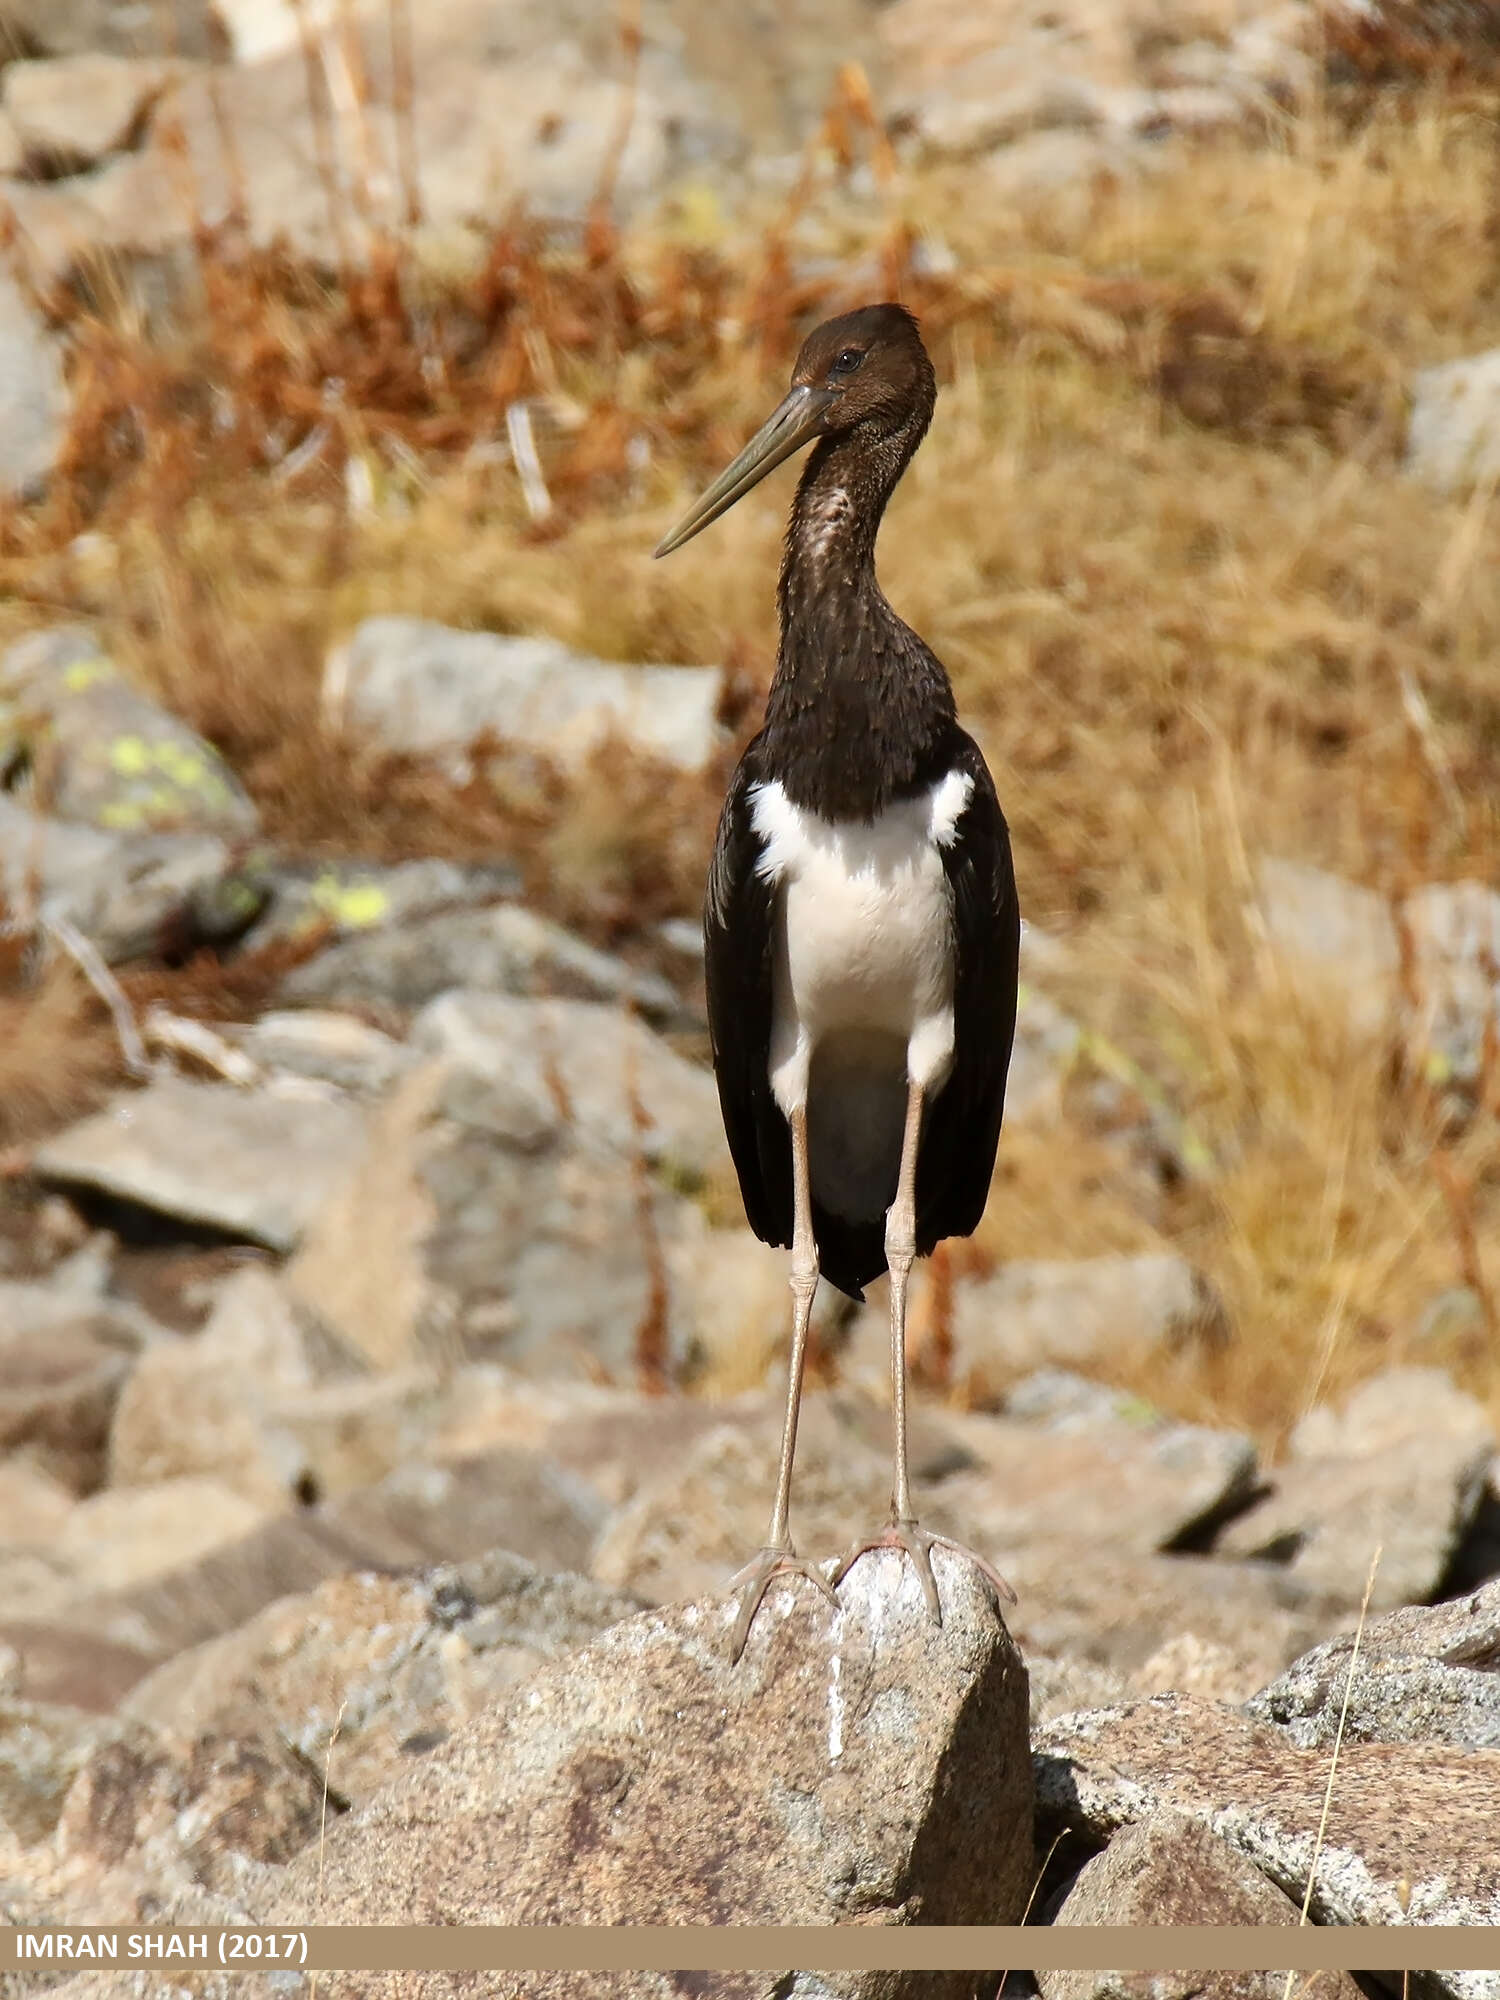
797	419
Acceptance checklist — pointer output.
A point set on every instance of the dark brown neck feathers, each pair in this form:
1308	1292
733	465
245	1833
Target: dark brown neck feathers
860	713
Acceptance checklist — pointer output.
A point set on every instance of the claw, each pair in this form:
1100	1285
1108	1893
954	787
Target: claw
750	1585
919	1543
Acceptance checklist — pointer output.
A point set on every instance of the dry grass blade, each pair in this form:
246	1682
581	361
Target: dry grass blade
1333	1761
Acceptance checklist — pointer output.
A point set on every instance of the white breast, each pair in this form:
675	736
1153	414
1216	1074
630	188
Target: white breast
865	936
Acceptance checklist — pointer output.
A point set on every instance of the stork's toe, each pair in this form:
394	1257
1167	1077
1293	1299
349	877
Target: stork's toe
750	1583
918	1543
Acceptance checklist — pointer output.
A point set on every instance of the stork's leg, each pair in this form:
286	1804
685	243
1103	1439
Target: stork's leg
778	1557
904	1531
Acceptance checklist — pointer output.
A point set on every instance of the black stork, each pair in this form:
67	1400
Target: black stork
861	921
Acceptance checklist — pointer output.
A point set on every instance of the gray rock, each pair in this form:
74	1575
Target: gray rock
341	899
133	895
1423	1674
1092	1601
859	1765
1170	1869
425	689
328	1047
256	1165
1454	931
70	111
1401	1468
518	1198
1411	1832
124	1536
115	759
213	1404
121	27
1334	932
506	949
1453	432
424	1513
33	395
366	1674
1110	1466
1047	1042
1076	1312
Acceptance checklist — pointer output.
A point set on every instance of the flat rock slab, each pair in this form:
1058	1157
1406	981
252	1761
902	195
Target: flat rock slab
1424	1674
858	1765
422	689
1412	1833
506	949
256	1165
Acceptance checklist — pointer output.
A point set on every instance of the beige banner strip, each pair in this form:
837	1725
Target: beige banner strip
764	1948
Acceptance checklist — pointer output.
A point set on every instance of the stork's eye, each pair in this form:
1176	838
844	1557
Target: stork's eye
848	361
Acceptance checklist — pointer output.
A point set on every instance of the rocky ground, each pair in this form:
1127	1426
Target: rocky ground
387	1382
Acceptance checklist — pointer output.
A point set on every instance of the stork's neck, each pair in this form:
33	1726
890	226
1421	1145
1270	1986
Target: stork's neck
860	711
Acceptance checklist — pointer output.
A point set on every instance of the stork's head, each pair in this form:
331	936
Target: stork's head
864	376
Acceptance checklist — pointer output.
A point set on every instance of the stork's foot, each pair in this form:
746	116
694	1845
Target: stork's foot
919	1543
749	1585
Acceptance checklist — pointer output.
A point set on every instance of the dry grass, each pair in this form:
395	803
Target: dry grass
1159	535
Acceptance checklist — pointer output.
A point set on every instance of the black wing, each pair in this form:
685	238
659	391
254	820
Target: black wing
962	1126
739	946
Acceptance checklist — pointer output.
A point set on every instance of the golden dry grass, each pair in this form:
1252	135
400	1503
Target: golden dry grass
1159	534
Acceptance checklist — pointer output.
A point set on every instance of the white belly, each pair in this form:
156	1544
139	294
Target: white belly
863	998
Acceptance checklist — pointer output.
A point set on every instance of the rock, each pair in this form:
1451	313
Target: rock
1410	1835
1062	1686
33	1507
73	27
115	759
1075	1312
328	1047
1333	932
33	396
126	1536
134	895
64	1666
1424	1674
1170	1869
430	690
1454	933
1113	1468
1401	1468
1093	1602
502	1205
1024	1497
58	1390
1186	1664
1453	431
255	1165
864	1766
70	111
704	1512
424	1513
974	80
211	1404
620	1086
1046	1045
366	1674
146	1818
503	950
341	899
42	1749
